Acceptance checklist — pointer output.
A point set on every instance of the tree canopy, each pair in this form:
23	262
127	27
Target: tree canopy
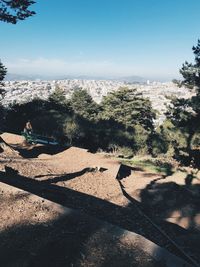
83	105
191	71
185	113
3	72
12	11
58	96
128	107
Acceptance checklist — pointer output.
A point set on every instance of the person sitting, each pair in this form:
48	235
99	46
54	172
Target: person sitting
28	129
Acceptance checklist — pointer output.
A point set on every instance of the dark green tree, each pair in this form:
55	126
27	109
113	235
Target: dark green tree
12	11
83	105
185	113
58	96
131	110
183	116
128	107
3	72
191	71
46	118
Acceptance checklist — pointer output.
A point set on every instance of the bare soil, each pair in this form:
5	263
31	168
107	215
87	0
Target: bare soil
34	232
78	179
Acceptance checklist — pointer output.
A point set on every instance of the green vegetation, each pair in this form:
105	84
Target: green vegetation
3	72
184	114
11	11
80	121
58	97
83	105
128	107
163	167
151	165
121	124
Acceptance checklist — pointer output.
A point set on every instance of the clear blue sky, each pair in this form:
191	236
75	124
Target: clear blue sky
149	38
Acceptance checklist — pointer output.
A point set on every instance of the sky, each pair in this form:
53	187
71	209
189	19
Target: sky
110	38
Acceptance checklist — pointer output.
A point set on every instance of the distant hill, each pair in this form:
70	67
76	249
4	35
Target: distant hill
133	79
21	77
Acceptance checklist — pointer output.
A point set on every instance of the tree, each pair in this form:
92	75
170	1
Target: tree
58	96
184	117
47	119
71	130
3	72
128	107
131	111
185	113
12	11
191	71
83	105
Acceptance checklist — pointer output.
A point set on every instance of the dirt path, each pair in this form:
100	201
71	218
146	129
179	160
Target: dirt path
78	179
37	232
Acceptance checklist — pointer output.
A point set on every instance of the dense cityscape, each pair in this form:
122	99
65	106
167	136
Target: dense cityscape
157	92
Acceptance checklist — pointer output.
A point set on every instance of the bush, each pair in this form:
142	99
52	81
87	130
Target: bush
118	151
140	136
71	131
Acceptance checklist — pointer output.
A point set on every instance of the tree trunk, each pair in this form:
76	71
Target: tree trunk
189	145
189	141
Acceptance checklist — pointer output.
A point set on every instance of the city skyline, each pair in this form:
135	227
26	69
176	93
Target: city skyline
147	38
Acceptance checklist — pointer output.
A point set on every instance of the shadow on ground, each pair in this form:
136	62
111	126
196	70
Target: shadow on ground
128	217
73	240
35	151
174	208
68	176
170	199
179	204
125	171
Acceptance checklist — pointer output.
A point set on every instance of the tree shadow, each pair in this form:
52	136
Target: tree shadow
150	213
175	210
74	240
163	199
57	242
178	204
188	157
35	151
126	217
69	176
125	171
190	177
129	217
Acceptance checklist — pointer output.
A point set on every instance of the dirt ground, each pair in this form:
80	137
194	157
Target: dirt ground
78	179
33	232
